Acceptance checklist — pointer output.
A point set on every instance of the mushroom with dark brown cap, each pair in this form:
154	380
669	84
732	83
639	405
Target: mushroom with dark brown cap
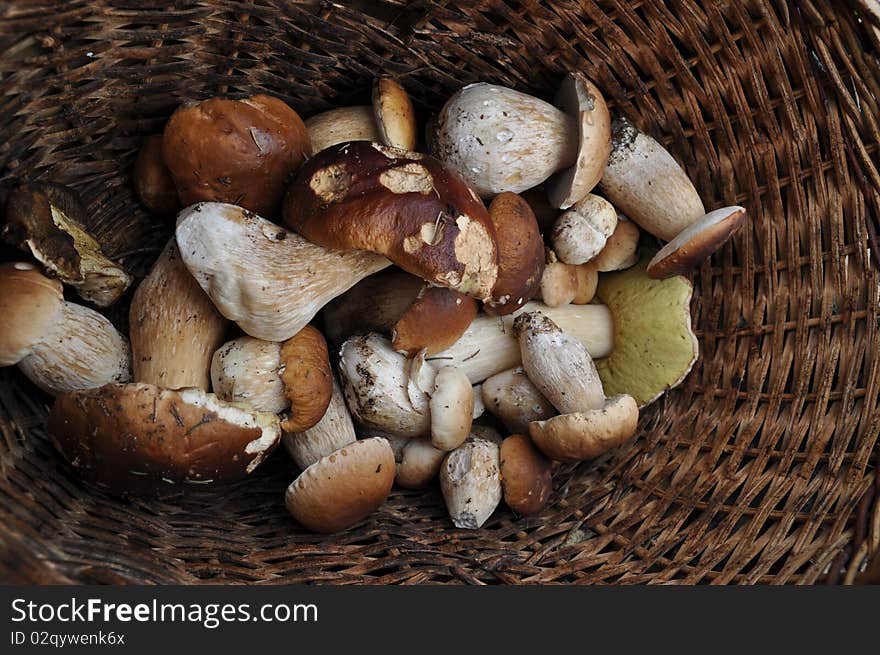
332	432
173	326
403	205
499	139
49	221
236	151
344	487
137	438
267	279
526	475
60	346
152	179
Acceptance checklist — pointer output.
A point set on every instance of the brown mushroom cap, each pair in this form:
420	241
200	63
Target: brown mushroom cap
434	321
139	438
404	205
237	151
30	303
696	242
152	179
621	249
394	113
344	487
520	254
526	475
307	377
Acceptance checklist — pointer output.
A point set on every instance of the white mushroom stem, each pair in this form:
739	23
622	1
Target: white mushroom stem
82	350
470	480
246	370
420	463
375	382
267	279
452	408
488	346
332	432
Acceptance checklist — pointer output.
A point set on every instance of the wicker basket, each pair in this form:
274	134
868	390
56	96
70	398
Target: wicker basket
761	468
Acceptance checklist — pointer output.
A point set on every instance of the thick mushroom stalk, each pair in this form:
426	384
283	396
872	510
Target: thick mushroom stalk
334	431
174	327
470	480
512	397
267	279
60	346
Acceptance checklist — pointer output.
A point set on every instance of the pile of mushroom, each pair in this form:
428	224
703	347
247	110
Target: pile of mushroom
464	314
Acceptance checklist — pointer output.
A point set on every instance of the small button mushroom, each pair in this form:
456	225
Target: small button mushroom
470	481
236	151
622	248
499	139
49	222
332	432
587	281
644	182
138	438
152	179
58	345
562	284
342	488
696	242
435	320
341	125
419	464
451	407
394	114
272	377
174	327
526	475
581	232
267	279
376	383
512	397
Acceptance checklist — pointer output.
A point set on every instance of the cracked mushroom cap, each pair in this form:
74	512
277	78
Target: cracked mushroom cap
344	487
654	344
30	304
403	205
139	438
238	151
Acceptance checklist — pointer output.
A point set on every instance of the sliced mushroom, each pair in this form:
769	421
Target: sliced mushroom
419	464
137	438
48	221
341	125
526	475
270	281
152	179
342	488
512	397
451	407
470	480
622	248
174	327
334	431
58	345
581	232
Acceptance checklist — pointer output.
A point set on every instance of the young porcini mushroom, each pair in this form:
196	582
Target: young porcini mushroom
235	151
419	463
520	254
394	114
470	479
403	205
622	248
174	327
451	407
332	432
434	321
136	438
272	377
58	345
512	397
488	347
655	346
526	475
562	284
152	179
342	125
342	488
376	383
644	182
270	281
48	221
499	139
582	232
696	242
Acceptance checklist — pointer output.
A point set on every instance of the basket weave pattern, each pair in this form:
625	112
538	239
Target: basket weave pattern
761	468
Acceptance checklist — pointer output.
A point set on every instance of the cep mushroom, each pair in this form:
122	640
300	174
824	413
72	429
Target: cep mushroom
48	221
152	179
272	377
419	464
562	283
581	232
138	438
435	320
499	139
235	151
562	369
60	346
334	431
526	475
267	279
470	480
621	249
174	327
512	397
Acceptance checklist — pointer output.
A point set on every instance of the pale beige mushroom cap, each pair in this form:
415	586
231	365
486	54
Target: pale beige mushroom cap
30	303
394	114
